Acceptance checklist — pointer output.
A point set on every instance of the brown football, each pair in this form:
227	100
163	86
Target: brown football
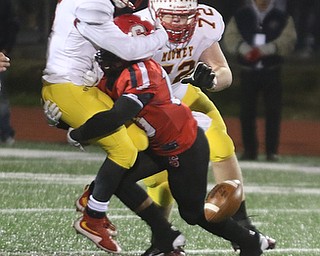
223	201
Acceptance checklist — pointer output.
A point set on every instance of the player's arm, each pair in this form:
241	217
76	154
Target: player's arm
103	32
103	123
214	58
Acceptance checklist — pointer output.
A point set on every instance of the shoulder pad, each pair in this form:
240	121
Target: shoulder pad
210	22
94	11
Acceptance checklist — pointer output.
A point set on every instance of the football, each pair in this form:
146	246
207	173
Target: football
223	201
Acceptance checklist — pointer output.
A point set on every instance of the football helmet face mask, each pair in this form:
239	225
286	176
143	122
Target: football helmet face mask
127	3
123	3
129	24
178	17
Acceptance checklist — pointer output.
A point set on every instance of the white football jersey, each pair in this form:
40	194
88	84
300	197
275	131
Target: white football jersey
80	28
179	60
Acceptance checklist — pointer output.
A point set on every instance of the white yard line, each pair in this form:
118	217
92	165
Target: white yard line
35	153
56	178
36	178
86	156
279	166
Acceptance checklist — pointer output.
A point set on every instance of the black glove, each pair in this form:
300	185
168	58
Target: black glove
203	76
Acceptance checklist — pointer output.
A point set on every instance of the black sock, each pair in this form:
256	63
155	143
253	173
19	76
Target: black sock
241	214
153	217
91	186
95	214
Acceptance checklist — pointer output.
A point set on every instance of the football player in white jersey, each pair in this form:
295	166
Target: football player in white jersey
192	58
80	28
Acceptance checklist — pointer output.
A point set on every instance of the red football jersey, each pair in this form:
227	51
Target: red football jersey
169	123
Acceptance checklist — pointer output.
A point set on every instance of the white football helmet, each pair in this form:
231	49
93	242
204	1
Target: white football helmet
178	17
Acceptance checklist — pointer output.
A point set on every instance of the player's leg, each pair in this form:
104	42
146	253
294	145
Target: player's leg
188	183
250	88
136	198
222	152
272	95
78	104
224	161
158	189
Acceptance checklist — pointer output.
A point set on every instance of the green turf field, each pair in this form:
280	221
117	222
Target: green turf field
39	183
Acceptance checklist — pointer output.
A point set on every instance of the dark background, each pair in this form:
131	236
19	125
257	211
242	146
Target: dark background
301	69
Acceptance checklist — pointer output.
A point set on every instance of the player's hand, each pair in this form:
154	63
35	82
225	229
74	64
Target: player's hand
203	76
73	142
52	113
254	55
90	78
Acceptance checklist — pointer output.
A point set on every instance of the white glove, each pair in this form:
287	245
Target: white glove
90	78
155	19
204	122
52	113
244	48
268	49
73	142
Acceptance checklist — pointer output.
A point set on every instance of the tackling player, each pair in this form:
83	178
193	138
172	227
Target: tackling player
194	32
80	28
142	93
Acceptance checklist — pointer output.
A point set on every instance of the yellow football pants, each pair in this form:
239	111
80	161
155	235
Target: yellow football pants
79	103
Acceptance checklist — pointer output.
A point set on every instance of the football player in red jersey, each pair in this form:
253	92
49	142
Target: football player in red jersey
80	28
191	56
142	93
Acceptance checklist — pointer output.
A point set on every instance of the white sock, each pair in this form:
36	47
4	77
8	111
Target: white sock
98	206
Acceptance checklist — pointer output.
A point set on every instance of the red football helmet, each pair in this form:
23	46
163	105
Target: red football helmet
178	17
132	25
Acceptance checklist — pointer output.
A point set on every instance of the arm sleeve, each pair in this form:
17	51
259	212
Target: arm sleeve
105	34
285	43
232	38
105	122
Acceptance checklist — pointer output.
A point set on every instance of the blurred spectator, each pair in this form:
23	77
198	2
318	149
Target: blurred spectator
4	63
306	15
8	31
260	35
226	7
